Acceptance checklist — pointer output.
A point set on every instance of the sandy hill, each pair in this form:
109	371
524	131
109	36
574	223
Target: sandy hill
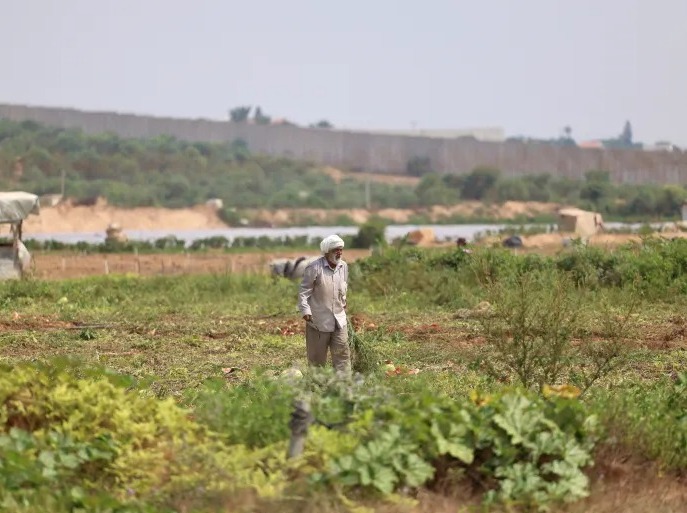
66	218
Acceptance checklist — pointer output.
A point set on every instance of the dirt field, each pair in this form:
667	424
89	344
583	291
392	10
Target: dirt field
72	265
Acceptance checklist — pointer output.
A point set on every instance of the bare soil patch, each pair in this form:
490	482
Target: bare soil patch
65	218
339	175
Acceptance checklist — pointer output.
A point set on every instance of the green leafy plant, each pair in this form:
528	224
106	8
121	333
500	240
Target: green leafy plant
522	448
385	463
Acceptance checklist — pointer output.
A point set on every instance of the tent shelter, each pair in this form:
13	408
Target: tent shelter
580	222
14	208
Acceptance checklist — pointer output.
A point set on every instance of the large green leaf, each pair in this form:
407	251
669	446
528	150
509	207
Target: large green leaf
384	479
417	471
518	419
453	443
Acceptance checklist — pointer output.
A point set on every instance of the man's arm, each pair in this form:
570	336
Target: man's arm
307	284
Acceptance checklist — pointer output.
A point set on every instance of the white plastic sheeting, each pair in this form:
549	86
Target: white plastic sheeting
17	206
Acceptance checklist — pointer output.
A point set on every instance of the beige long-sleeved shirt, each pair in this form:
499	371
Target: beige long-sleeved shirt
323	294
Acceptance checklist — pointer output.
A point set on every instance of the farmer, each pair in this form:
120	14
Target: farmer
322	303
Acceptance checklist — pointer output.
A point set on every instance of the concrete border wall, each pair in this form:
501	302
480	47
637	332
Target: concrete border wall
382	153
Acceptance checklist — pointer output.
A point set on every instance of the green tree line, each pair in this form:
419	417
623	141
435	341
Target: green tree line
165	171
594	192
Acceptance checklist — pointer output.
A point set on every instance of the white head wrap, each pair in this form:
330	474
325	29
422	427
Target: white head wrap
331	242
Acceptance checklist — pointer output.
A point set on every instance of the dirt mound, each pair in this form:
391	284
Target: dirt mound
96	217
507	210
338	175
423	237
65	218
437	213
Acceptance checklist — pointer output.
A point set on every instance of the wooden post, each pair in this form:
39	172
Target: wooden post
107	267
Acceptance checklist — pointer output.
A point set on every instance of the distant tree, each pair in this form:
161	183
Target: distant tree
322	124
626	135
479	183
260	118
432	190
597	186
239	114
239	149
596	175
670	200
370	233
512	189
419	166
567	132
539	187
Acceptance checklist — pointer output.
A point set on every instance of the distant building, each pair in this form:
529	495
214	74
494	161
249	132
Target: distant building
661	146
591	144
580	222
282	121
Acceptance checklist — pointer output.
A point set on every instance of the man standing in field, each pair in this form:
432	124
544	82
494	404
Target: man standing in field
322	303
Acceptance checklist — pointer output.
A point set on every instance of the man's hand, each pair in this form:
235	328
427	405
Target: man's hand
307	318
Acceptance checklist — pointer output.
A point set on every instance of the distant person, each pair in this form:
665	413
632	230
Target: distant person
322	303
598	223
462	243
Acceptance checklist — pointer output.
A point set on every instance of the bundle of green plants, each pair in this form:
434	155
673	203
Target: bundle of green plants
364	357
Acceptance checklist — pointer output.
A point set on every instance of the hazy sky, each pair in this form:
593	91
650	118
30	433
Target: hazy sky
529	66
